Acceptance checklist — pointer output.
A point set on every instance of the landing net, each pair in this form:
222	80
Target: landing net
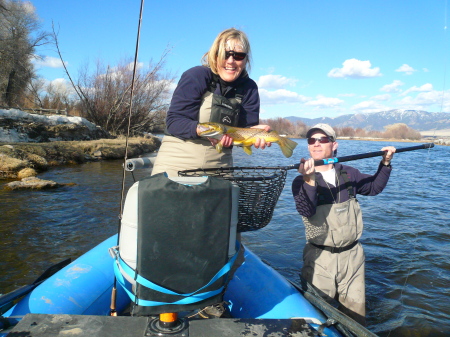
260	188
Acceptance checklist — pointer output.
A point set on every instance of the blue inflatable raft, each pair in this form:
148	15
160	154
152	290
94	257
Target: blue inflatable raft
76	298
84	288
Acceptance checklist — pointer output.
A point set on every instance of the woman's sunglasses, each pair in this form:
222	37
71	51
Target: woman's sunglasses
321	140
236	55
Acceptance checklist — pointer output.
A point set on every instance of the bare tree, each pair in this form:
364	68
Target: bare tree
19	36
285	127
300	129
346	131
104	94
401	131
360	132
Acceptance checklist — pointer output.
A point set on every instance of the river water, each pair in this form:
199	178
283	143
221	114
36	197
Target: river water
406	236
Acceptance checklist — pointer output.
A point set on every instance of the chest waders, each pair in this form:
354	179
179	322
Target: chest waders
338	225
333	259
176	154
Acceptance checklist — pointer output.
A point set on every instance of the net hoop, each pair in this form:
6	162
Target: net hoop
260	188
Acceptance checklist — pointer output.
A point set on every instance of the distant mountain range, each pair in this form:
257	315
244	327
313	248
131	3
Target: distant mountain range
415	119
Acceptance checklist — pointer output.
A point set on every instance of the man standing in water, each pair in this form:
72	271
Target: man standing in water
325	197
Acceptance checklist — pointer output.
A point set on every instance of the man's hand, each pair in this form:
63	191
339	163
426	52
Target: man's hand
308	171
388	154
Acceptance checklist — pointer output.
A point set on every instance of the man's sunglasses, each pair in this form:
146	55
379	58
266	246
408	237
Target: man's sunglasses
321	140
236	55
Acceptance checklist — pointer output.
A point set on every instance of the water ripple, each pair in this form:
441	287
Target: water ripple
406	235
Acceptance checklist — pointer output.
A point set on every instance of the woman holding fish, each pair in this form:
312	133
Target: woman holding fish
219	91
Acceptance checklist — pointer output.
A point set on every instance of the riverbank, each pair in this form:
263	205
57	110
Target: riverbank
438	141
22	160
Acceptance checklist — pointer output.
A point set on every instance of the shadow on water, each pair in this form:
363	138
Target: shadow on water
406	237
40	228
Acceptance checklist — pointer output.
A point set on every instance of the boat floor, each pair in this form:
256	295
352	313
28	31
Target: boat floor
50	325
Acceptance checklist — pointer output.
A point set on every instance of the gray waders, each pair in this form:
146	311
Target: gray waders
333	259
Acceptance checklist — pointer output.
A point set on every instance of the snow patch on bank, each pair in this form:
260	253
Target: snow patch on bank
12	135
46	119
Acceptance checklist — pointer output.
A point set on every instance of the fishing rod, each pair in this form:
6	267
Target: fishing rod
143	163
113	311
146	163
361	156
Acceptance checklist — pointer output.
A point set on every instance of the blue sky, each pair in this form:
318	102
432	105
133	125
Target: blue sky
310	58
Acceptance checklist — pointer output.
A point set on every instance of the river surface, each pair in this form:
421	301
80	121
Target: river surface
406	236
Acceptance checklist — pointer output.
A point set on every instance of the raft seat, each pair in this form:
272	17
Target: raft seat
177	242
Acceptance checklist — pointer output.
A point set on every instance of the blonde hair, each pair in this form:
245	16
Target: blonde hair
216	53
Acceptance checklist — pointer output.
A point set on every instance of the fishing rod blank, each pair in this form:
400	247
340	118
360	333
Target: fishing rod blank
362	156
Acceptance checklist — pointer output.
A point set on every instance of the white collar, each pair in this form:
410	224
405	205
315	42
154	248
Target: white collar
329	176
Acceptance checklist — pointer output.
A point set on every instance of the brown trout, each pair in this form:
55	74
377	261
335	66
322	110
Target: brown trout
245	137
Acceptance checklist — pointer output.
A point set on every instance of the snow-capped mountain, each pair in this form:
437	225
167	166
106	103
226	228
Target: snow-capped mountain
415	119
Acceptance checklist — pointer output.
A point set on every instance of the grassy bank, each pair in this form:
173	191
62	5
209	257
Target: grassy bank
20	160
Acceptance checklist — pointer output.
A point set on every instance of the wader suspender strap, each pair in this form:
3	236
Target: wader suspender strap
213	84
348	185
351	195
239	91
239	94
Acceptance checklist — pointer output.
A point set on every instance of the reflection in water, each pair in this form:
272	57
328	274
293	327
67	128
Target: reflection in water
406	237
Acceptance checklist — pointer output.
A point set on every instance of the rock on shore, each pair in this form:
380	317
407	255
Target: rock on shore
34	183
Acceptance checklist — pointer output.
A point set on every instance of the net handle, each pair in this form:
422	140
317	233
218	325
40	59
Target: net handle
361	156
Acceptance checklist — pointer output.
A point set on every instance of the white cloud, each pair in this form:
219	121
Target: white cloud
369	106
275	82
281	96
354	68
61	86
424	100
59	82
408	70
393	87
172	87
346	95
139	65
385	97
425	87
28	7
118	73
48	61
325	102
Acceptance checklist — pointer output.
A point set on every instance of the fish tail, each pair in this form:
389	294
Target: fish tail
287	146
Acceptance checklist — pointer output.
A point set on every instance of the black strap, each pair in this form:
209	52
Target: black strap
348	184
334	250
238	91
239	94
214	81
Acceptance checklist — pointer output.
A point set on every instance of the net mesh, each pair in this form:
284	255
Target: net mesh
260	188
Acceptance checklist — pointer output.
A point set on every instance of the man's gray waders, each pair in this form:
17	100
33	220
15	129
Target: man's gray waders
333	259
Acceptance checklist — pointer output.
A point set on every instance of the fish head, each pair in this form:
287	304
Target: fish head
211	130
